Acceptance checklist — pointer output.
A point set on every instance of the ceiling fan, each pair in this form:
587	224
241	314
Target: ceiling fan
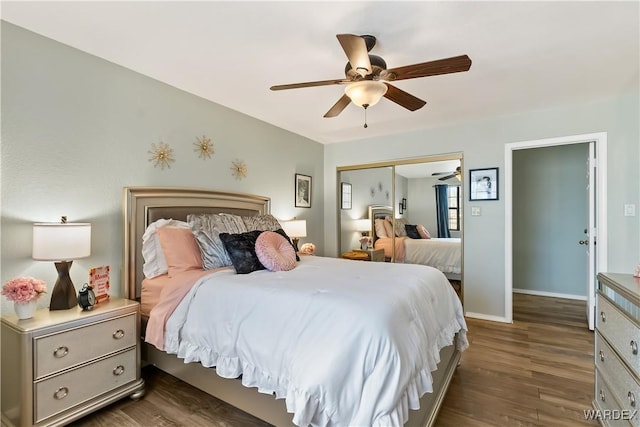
368	79
449	175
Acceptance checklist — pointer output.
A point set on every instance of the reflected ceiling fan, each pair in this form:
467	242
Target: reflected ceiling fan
449	175
367	77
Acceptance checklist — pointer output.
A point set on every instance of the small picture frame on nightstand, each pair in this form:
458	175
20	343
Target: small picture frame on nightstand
99	281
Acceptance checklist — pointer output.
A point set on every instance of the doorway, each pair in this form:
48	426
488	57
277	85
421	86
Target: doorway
594	224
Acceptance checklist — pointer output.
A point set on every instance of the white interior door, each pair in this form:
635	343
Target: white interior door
592	234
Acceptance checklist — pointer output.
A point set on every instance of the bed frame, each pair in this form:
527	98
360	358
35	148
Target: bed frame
144	205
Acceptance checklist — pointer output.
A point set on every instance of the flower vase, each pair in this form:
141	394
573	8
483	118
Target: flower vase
25	310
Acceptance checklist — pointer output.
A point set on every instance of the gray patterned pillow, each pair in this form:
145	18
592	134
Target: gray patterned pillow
207	229
261	222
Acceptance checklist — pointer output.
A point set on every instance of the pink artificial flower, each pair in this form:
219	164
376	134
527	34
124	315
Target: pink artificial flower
24	289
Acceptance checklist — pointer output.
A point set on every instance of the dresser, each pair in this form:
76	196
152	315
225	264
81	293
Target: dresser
61	365
617	361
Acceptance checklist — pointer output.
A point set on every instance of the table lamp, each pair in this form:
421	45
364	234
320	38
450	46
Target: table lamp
295	229
364	227
62	242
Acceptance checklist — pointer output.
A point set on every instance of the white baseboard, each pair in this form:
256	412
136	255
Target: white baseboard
549	294
486	317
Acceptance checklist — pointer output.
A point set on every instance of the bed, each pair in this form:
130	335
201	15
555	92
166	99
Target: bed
445	254
345	284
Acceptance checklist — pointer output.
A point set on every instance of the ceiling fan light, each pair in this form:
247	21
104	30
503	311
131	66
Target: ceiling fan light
366	92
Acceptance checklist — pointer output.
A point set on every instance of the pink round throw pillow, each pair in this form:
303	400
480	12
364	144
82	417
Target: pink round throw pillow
274	252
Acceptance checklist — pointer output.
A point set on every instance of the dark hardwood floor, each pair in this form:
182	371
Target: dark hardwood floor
537	371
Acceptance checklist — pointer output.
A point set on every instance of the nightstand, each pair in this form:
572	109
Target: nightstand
376	255
61	365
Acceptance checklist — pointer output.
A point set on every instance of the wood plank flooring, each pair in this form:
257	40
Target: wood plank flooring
537	371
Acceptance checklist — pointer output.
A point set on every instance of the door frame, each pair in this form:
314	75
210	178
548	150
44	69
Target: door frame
600	210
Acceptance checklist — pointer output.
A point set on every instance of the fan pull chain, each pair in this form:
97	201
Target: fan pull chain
365	115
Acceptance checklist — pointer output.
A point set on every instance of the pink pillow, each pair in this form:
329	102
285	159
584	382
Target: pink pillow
275	252
180	249
423	232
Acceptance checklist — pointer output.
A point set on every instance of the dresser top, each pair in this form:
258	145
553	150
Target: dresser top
625	284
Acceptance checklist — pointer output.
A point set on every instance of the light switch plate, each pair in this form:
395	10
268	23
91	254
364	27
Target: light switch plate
630	210
475	210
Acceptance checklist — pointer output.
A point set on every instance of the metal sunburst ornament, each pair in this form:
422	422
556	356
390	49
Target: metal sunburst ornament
204	147
238	169
162	155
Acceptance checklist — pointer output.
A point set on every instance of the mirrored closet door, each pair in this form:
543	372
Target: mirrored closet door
408	210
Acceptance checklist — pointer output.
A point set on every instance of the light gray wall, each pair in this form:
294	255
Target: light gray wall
483	144
550	214
368	187
76	129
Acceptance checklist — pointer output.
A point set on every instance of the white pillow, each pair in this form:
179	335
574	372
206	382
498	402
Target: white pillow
155	264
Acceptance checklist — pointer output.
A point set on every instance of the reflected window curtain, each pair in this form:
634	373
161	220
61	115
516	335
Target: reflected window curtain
442	210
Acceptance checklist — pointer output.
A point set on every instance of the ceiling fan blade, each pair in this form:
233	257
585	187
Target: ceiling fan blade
338	106
403	98
455	64
356	49
310	84
444	178
441	173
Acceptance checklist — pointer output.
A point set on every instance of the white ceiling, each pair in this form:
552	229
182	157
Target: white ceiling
526	55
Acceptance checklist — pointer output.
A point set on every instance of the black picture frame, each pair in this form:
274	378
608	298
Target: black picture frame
302	194
345	195
483	184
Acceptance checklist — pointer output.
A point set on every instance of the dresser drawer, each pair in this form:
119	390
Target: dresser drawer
621	332
605	402
66	390
63	350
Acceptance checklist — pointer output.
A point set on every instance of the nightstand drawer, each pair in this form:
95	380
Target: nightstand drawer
64	391
63	350
621	332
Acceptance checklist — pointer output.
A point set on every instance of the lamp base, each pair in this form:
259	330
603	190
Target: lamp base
295	241
63	296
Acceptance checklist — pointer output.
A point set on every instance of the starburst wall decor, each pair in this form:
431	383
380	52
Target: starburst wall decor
204	147
238	169
162	155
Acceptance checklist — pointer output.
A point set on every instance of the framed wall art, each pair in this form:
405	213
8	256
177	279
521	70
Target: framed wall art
303	191
483	184
345	195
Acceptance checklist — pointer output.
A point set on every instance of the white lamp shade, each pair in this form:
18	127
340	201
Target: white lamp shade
61	242
363	225
295	228
366	92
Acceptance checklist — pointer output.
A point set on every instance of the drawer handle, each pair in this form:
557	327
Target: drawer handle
60	352
634	347
118	334
601	356
603	316
632	399
118	370
61	393
602	395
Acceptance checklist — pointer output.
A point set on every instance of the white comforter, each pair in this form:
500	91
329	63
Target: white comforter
346	343
445	254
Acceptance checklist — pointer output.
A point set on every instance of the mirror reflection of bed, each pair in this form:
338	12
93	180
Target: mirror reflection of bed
413	202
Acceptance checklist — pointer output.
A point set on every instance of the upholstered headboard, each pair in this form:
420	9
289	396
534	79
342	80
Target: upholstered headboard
378	212
144	205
